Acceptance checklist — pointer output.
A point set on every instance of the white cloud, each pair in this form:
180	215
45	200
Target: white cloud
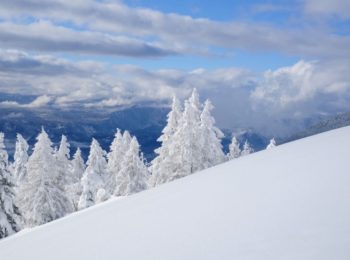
339	8
305	88
38	102
45	36
105	25
241	97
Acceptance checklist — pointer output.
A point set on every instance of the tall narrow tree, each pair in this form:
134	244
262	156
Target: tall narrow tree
247	149
20	160
42	199
186	148
161	165
234	150
9	213
115	157
94	176
77	168
63	163
211	136
133	176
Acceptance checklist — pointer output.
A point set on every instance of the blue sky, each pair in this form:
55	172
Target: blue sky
276	60
278	13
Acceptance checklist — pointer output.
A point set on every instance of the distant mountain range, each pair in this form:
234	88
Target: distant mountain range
80	126
144	121
324	125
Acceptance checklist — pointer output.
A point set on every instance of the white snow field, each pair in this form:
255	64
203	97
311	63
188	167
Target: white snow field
290	202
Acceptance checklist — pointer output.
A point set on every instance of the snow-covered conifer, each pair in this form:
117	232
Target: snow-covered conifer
133	175
77	168
211	136
160	167
126	139
20	160
9	214
247	149
234	150
42	199
117	151
185	151
94	176
63	163
272	144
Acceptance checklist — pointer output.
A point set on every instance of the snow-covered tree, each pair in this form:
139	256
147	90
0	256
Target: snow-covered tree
185	152
94	176
234	150
272	144
20	160
126	139
212	153
9	213
160	167
77	168
63	163
101	196
41	198
133	175
247	149
117	151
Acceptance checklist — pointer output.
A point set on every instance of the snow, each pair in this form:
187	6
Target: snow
290	202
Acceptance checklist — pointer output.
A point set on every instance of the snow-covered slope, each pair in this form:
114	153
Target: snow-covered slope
291	202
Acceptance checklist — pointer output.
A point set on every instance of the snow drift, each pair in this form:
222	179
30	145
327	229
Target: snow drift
290	202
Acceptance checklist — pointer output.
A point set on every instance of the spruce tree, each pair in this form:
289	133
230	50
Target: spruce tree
20	160
115	157
94	176
77	168
161	165
185	152
133	175
234	150
247	149
212	153
41	197
63	163
9	213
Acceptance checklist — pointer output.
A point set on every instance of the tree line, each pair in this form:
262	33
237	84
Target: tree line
49	184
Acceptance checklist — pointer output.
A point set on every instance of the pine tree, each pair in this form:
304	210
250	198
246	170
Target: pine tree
133	175
115	157
161	165
247	149
9	213
94	176
211	136
42	199
77	168
234	150
272	144
20	160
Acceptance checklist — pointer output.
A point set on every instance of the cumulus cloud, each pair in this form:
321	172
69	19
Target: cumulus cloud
242	98
306	88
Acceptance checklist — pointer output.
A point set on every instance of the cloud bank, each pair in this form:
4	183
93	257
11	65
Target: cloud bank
242	97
